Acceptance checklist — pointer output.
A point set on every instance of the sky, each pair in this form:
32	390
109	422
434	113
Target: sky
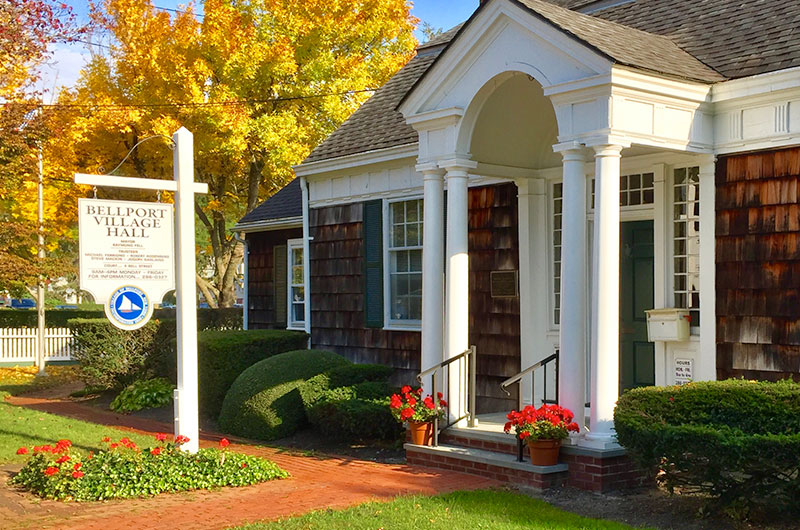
64	67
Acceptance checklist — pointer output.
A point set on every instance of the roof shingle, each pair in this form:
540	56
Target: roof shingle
286	203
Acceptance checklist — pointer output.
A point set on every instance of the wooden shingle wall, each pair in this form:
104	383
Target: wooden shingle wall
261	294
758	265
493	322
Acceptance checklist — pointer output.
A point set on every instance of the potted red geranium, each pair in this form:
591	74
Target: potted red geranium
409	406
542	429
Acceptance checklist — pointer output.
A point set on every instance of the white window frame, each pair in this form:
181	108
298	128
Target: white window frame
695	328
291	323
390	323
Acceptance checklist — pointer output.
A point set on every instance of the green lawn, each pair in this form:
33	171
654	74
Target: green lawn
25	427
490	510
21	379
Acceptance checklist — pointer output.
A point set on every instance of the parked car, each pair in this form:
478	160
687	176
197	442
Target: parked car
67	306
23	303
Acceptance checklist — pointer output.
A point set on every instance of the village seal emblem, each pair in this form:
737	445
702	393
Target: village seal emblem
129	307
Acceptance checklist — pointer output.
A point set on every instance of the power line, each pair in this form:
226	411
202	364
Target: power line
198	15
235	102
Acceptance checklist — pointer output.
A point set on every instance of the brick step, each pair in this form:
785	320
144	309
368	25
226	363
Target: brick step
491	441
499	466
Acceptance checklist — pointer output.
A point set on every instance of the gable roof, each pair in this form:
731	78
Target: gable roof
737	39
287	203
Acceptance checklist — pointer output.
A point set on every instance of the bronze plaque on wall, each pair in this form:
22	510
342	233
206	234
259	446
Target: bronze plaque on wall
505	284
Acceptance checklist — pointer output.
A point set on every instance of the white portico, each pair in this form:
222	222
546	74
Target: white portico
523	94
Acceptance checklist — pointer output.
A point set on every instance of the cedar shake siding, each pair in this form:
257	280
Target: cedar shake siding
493	322
261	277
338	311
337	296
758	265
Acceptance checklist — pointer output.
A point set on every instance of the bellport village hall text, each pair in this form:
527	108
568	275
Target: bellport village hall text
121	221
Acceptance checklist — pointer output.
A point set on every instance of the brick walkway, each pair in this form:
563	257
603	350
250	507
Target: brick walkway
316	483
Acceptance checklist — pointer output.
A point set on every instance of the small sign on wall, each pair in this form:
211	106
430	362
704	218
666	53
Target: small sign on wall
683	371
504	284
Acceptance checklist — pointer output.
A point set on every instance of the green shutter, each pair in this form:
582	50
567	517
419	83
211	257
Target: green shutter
279	283
373	264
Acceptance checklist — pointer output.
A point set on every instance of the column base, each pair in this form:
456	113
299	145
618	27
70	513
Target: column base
600	442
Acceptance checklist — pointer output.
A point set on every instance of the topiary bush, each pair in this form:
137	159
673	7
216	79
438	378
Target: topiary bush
264	401
143	394
351	403
737	441
222	356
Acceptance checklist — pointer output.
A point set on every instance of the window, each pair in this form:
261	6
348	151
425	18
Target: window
634	190
686	240
405	262
296	285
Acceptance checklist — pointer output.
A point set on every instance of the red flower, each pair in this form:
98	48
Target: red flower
573	427
419	391
161	437
65	443
396	402
106	439
91	454
155	451
77	466
224	443
429	403
244	465
406	413
412	402
181	439
114	446
439	395
442	402
77	474
406	389
125	441
523	435
63	459
22	451
50	471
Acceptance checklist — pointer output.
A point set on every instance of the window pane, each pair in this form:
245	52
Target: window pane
680	176
298	313
647	180
297	275
412	214
648	197
398	236
415	260
635	182
297	256
635	197
412	235
398	212
415	284
298	294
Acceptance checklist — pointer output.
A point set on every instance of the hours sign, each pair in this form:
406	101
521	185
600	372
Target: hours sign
127	257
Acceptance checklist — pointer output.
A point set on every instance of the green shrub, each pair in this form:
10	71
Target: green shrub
264	401
342	376
110	357
225	318
144	394
125	471
738	441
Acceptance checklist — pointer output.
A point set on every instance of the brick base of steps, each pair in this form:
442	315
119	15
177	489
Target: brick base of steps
498	466
493	455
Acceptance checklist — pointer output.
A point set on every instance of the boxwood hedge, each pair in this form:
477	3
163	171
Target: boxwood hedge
224	318
264	402
736	440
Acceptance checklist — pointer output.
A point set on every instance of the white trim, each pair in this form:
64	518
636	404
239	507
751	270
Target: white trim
296	325
269	224
389	323
756	85
347	162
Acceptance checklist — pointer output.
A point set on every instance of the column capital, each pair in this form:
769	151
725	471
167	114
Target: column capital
457	166
607	144
570	150
430	170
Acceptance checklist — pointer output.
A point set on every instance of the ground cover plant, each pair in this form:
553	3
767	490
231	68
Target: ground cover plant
22	426
21	379
264	402
736	441
124	470
144	394
488	510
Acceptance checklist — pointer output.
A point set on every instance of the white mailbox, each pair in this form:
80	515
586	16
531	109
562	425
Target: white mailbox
668	325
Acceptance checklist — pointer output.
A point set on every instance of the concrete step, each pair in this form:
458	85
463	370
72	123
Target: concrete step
499	466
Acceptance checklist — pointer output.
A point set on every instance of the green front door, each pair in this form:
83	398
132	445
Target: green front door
637	355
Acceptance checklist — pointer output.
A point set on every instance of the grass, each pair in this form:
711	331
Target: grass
21	379
483	509
20	426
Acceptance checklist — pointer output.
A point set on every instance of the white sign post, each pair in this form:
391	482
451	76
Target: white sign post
186	418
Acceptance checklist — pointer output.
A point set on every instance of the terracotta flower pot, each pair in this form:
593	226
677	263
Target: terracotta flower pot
421	432
544	452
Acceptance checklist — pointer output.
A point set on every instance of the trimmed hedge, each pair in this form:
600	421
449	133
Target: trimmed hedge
352	403
264	402
226	318
113	358
736	440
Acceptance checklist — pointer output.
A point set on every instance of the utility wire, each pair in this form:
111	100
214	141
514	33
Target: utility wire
235	102
198	15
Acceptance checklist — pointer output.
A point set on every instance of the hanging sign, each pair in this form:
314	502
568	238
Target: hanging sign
127	257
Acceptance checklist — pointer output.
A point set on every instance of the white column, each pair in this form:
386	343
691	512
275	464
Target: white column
534	316
457	293
605	301
432	271
707	357
574	285
186	421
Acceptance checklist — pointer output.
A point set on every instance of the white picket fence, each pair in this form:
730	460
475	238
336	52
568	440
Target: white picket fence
19	345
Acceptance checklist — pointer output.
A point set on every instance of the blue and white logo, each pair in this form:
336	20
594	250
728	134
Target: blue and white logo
129	308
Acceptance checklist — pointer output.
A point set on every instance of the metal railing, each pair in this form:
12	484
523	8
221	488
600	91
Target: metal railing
469	374
518	380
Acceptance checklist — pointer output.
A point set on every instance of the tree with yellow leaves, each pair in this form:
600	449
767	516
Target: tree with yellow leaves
259	82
